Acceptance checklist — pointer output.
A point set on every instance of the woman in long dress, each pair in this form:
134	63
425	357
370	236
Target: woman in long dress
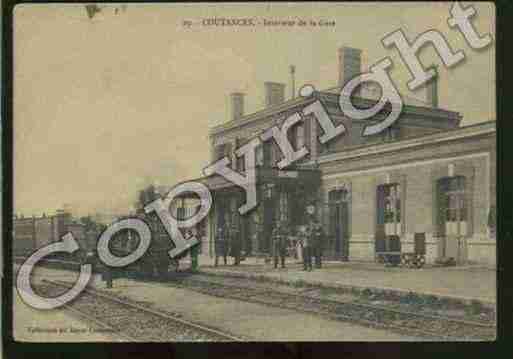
299	246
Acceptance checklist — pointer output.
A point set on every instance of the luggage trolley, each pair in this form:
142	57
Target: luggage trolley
388	250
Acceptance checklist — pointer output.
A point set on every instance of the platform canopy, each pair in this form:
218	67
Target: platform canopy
265	175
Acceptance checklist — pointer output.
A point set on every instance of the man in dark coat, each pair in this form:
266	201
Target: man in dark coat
307	244
279	238
235	245
107	276
318	238
194	251
221	245
492	221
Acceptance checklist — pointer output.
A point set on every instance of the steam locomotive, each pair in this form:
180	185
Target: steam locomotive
156	262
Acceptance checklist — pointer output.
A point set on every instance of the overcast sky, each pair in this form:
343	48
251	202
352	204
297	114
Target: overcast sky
105	105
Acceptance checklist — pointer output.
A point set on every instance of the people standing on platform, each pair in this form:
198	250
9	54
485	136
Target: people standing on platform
235	244
221	245
294	247
306	242
318	239
91	258
107	276
279	238
194	252
298	246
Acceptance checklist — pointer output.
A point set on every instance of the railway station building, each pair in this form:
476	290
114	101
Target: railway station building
425	175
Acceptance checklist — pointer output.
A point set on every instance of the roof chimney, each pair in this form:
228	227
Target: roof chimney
293	80
349	62
237	105
432	89
274	93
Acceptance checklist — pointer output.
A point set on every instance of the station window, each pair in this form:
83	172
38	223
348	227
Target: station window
453	205
241	164
259	155
275	153
266	152
300	136
389	208
296	136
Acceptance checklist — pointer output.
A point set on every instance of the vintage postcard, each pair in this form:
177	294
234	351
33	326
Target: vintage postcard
203	172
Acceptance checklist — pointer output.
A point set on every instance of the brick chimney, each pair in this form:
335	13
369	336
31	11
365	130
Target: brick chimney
237	105
274	93
432	90
292	69
349	64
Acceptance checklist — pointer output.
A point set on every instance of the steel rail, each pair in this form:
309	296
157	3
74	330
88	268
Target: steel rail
363	305
375	308
98	322
369	307
149	310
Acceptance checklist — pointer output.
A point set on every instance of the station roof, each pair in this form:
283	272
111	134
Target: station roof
330	98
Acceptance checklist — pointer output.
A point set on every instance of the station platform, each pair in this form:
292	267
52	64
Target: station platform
249	321
461	283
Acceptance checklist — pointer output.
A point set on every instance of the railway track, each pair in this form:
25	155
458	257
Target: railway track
131	321
404	322
418	324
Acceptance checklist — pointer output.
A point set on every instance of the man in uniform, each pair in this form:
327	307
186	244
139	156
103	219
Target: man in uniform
90	258
306	242
318	237
279	238
221	245
235	244
107	276
194	252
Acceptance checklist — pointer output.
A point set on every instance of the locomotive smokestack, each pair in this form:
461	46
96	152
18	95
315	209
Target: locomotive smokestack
432	90
274	93
237	105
